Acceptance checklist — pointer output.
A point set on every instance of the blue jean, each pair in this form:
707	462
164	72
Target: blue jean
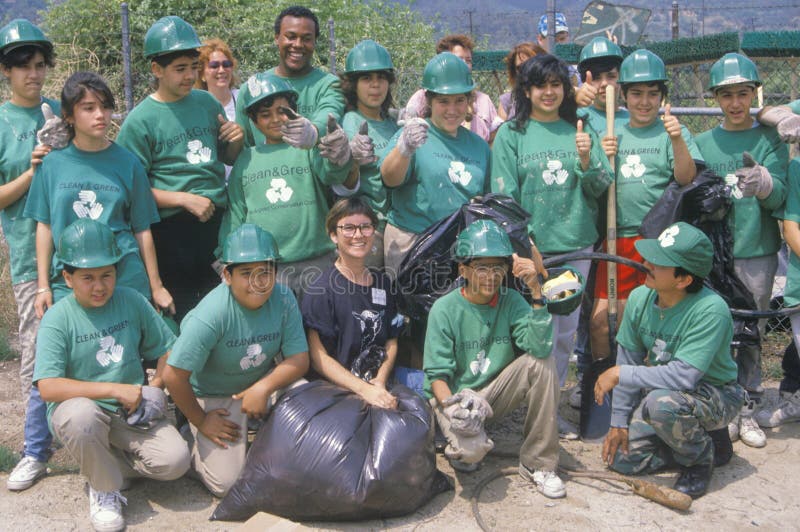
37	434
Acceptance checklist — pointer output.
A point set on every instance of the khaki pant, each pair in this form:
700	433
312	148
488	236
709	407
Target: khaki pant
25	296
301	274
527	380
108	450
396	245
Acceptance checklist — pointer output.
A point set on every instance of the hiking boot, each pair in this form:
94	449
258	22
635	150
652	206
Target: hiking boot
694	480
723	448
787	410
566	430
105	510
25	474
547	482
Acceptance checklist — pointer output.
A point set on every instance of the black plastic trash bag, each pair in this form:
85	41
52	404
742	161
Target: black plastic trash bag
705	203
428	271
324	454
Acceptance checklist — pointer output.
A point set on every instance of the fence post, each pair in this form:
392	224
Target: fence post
126	57
331	46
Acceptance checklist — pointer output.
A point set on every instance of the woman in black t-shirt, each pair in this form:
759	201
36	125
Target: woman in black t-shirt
350	314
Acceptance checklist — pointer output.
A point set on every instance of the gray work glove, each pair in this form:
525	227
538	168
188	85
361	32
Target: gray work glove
785	121
754	179
335	146
414	135
152	408
361	146
467	411
298	131
54	132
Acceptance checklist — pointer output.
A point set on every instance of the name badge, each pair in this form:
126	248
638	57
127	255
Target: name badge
379	296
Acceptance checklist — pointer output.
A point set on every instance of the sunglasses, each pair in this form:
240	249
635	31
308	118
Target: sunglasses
213	65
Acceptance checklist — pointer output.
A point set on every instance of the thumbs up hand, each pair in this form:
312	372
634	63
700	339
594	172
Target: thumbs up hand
54	132
583	143
298	131
362	147
229	131
586	94
335	146
671	124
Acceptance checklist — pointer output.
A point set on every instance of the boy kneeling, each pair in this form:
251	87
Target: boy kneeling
472	372
89	355
673	344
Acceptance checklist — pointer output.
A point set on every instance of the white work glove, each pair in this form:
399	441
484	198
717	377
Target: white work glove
335	146
414	135
362	147
467	411
754	179
152	408
54	132
785	121
298	131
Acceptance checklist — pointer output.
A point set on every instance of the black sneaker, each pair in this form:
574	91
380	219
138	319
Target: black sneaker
694	480
723	448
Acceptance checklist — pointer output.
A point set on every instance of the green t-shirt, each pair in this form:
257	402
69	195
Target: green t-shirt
18	127
597	119
468	345
104	344
698	331
794	106
540	168
319	93
444	174
755	231
228	347
644	164
109	186
791	295
178	144
371	186
284	190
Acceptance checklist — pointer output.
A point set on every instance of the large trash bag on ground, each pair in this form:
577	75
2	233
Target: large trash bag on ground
428	271
706	203
324	454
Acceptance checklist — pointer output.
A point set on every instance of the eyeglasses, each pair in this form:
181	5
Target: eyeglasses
486	270
349	230
213	65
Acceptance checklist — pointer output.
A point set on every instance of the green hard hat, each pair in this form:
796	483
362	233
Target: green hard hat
170	34
368	56
482	238
599	47
552	296
21	32
87	243
263	85
250	243
642	66
731	69
447	74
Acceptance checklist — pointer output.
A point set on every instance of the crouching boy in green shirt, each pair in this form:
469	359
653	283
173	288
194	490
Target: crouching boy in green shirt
675	378
472	371
225	365
89	355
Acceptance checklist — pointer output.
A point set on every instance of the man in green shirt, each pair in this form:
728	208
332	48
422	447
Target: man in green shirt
242	343
296	34
89	355
675	378
752	160
473	372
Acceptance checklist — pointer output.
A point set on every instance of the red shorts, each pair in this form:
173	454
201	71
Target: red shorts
627	278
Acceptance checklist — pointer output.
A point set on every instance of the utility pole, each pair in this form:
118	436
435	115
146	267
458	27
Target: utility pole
469	14
675	24
551	26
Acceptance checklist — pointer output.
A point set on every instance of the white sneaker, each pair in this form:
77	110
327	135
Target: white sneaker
750	433
547	482
26	472
566	430
105	510
733	429
575	396
787	410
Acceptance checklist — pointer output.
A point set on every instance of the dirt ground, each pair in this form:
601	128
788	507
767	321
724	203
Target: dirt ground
758	489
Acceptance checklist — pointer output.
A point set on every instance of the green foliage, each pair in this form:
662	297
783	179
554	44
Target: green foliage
247	27
8	459
771	43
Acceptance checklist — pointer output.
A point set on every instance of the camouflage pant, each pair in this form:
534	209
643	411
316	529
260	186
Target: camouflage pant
670	427
25	295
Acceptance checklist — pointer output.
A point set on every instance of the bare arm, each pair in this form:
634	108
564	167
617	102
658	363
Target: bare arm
58	389
200	206
254	399
386	368
17	187
44	256
441	390
394	168
161	297
791	233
